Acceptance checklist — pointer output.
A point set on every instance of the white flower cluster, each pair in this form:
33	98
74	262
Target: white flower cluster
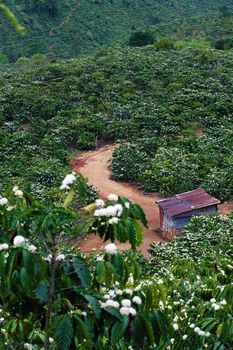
17	192
113	197
112	210
3	201
198	331
124	306
59	257
20	241
110	248
216	306
68	180
99	203
4	246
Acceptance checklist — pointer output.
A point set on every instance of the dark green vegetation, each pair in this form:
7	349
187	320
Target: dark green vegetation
67	28
52	297
174	108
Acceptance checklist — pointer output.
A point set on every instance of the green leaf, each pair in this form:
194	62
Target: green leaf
94	302
118	329
42	291
63	333
114	312
82	272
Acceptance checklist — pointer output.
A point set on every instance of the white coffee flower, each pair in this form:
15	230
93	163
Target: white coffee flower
19	193
223	302
196	329
4	246
137	300
132	311
128	291
3	201
119	209
60	257
175	326
125	311
19	241
212	300
68	180
32	248
113	197
192	325
184	337
215	306
112	303
127	205
15	188
110	248
201	333
126	303
113	221
99	203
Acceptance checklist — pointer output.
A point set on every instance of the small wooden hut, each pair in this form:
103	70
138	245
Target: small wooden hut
176	212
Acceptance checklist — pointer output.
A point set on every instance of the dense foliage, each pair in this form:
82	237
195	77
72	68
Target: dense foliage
173	107
52	24
52	297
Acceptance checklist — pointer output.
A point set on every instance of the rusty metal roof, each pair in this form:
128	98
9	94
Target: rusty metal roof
188	201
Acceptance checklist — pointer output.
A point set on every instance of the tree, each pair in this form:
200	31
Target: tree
141	39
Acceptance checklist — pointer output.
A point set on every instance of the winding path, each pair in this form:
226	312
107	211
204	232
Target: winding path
95	165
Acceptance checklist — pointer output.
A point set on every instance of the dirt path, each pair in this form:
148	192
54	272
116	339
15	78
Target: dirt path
94	165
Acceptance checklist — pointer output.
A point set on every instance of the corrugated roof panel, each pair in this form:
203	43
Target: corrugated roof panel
188	201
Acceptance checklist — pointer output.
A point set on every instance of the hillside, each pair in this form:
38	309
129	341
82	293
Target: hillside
68	28
172	107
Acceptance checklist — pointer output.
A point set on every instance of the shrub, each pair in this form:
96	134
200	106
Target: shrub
141	39
164	44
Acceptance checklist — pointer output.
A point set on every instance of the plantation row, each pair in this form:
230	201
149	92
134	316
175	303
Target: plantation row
173	108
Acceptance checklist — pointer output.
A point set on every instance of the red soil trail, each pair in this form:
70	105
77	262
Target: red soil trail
95	165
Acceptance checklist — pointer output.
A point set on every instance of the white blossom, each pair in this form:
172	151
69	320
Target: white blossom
113	197
60	257
196	329
111	248
127	205
3	201
201	333
212	300
132	311
19	241
223	302
192	325
4	246
112	303
32	248
175	326
137	300
99	203
68	180
125	311
15	188
19	194
184	337
113	220
215	306
126	303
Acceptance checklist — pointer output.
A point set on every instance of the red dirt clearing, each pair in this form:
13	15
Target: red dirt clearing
94	165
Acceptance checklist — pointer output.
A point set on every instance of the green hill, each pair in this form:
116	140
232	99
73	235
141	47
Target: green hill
67	28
